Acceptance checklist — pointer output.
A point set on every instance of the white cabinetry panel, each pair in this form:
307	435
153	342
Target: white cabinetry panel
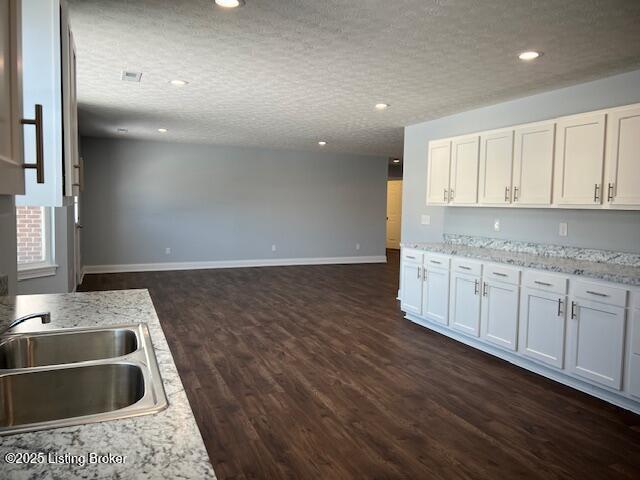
436	295
496	161
533	164
542	326
623	157
465	303
464	171
438	172
412	287
499	317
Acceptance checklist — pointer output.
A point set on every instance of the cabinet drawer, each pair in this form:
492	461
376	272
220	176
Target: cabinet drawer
546	282
502	274
600	293
412	255
470	267
437	261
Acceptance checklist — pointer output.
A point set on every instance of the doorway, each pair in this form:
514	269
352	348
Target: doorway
394	213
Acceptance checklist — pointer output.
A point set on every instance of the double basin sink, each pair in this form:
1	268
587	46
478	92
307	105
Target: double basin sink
73	376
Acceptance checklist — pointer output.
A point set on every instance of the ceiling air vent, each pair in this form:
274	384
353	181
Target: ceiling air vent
128	76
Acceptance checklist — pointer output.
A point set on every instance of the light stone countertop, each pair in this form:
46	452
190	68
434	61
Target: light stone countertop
608	271
167	444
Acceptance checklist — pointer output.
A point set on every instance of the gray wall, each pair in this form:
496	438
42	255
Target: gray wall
599	229
210	203
8	241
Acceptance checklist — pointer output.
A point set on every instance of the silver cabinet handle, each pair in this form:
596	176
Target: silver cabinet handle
39	165
506	194
559	307
484	290
418	273
464	268
597	293
451	194
436	262
476	287
500	274
411	257
515	193
424	274
573	309
542	283
444	198
596	194
610	192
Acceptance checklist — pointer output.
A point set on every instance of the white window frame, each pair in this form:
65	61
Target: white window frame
47	267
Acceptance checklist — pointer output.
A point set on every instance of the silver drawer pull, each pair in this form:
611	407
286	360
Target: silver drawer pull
500	274
409	256
464	268
435	261
542	283
597	293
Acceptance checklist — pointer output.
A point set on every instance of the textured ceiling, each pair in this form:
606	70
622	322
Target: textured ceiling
287	73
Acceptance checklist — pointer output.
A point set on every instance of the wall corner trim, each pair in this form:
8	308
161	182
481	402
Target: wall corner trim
270	262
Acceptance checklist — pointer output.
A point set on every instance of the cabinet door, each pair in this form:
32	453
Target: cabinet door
542	326
465	304
435	296
499	318
11	154
464	171
412	287
496	162
623	157
438	172
579	160
596	342
533	164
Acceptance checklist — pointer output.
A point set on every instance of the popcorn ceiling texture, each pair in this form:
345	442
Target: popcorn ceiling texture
286	73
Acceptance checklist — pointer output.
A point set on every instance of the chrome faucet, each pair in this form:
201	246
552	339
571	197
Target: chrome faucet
45	317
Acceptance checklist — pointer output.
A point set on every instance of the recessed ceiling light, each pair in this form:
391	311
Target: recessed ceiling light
163	130
179	83
382	106
396	160
529	55
229	3
322	143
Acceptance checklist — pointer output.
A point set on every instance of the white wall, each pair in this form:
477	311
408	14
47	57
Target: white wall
597	229
210	203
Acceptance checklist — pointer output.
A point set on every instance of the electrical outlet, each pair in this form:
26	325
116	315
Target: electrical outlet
426	220
496	225
357	246
563	230
273	248
167	251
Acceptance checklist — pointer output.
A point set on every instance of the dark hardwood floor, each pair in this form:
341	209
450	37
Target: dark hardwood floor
311	372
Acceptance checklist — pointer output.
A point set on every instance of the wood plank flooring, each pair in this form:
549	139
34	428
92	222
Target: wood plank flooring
310	372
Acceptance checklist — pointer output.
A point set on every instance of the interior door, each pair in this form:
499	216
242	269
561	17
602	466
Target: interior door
11	135
580	160
438	172
465	304
533	164
542	326
496	162
464	170
394	213
623	158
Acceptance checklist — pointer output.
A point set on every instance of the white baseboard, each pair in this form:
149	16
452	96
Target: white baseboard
270	262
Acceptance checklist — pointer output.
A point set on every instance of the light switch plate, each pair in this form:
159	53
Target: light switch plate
563	230
425	220
496	224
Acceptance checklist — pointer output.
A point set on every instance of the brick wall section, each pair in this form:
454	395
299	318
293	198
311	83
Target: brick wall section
29	226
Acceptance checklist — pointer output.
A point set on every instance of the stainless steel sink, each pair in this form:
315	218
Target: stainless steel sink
37	349
75	376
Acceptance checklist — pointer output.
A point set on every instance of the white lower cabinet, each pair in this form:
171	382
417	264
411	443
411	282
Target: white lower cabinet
542	326
435	295
465	303
411	287
499	317
596	341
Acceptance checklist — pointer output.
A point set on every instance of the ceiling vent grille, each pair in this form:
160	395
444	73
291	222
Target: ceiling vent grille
129	76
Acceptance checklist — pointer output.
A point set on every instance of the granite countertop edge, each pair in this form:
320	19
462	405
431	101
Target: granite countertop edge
166	444
610	272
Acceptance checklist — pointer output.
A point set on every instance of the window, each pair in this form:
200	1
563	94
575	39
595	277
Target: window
34	238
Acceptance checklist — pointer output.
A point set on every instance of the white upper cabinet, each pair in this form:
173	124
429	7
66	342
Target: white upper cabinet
580	159
496	162
533	164
47	81
438	172
464	171
11	154
623	157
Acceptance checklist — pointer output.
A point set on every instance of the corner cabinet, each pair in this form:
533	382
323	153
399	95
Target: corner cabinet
583	333
585	161
49	86
11	136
